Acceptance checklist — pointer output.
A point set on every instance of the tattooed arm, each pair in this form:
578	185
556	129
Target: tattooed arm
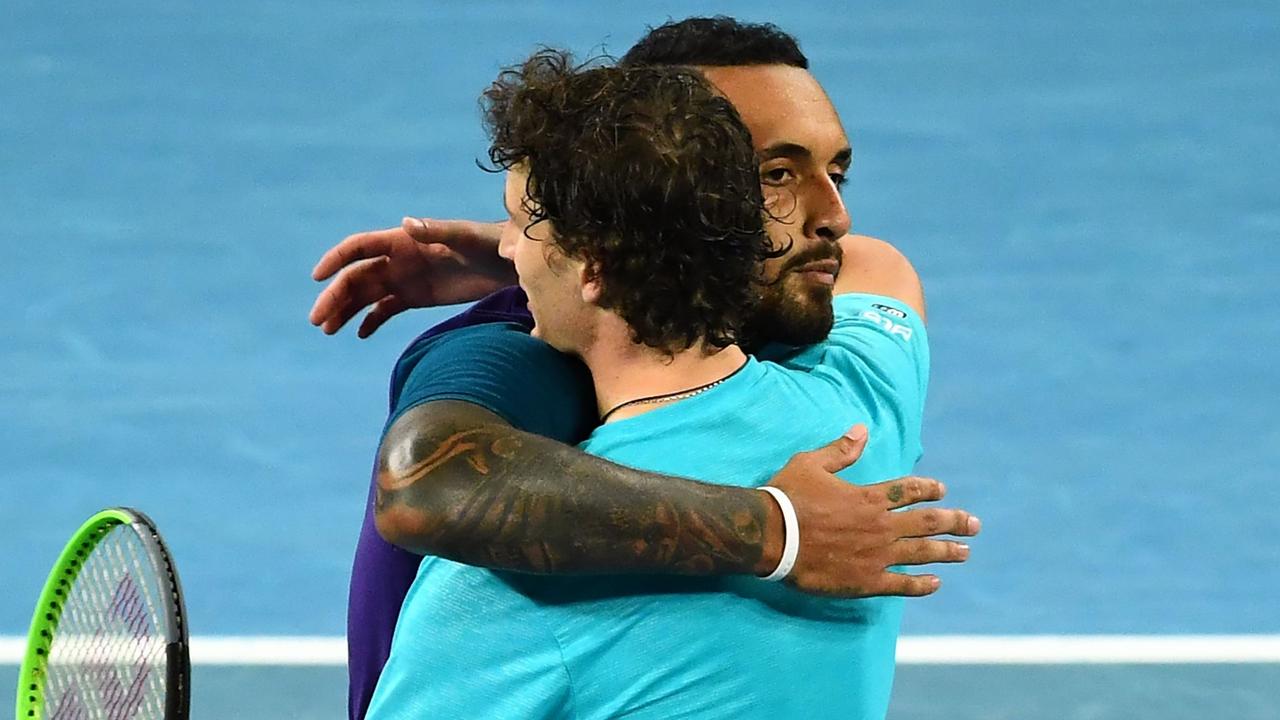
457	481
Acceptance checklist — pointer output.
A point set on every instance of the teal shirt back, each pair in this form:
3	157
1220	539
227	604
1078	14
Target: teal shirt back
477	643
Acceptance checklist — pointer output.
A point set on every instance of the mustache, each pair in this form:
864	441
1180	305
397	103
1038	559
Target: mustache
821	251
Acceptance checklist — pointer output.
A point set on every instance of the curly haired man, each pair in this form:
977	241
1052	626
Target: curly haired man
480	413
637	229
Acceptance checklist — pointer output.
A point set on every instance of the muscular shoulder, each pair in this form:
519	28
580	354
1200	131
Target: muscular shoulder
875	267
503	370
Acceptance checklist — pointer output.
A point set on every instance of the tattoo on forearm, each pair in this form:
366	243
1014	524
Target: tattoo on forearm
491	495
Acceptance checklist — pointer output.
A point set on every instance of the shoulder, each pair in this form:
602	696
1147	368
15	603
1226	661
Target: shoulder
878	350
504	370
874	267
491	341
443	344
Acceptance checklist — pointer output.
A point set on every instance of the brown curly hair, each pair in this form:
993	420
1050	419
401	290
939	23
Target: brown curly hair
649	177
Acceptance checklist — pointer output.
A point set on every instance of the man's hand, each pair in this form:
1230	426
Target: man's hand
422	263
850	535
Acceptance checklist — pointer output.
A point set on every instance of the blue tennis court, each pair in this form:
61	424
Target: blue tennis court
1088	192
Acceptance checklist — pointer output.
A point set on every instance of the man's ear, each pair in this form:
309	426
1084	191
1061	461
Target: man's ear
589	279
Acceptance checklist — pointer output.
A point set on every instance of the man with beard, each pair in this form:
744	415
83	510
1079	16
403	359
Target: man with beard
473	487
636	227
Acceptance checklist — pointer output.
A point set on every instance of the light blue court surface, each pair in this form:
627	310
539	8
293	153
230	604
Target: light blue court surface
1088	190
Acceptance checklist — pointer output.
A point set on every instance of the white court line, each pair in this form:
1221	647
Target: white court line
912	650
1087	649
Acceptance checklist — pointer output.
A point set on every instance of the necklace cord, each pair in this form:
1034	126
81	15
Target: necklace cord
677	395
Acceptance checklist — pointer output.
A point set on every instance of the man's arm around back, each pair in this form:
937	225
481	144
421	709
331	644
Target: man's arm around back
457	481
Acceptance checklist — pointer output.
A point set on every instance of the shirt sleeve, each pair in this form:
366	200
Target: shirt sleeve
878	354
506	371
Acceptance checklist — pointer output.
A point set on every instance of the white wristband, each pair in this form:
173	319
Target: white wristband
791	535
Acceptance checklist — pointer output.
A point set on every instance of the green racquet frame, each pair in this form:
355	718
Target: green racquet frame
57	588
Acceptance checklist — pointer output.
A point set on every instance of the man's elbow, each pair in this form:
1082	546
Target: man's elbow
403	512
399	525
428	462
404	492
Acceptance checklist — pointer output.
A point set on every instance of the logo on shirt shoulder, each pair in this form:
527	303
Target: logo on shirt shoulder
891	310
890	326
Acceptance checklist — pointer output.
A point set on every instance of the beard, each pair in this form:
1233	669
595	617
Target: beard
794	310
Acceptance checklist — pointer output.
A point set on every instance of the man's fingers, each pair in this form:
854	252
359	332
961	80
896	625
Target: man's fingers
909	585
914	551
843	451
353	248
356	287
386	308
441	232
341	295
909	490
327	303
924	522
419	229
458	235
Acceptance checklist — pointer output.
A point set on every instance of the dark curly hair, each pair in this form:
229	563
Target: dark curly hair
649	177
715	42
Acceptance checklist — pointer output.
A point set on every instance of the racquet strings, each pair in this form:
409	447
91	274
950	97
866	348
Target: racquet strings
108	655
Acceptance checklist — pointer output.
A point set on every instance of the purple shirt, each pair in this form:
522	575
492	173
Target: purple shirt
382	572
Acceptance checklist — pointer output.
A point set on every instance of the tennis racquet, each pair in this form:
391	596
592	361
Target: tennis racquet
108	640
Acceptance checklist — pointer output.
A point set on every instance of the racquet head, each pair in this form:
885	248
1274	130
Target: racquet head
108	639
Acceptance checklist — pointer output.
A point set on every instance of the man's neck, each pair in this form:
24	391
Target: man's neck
622	370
